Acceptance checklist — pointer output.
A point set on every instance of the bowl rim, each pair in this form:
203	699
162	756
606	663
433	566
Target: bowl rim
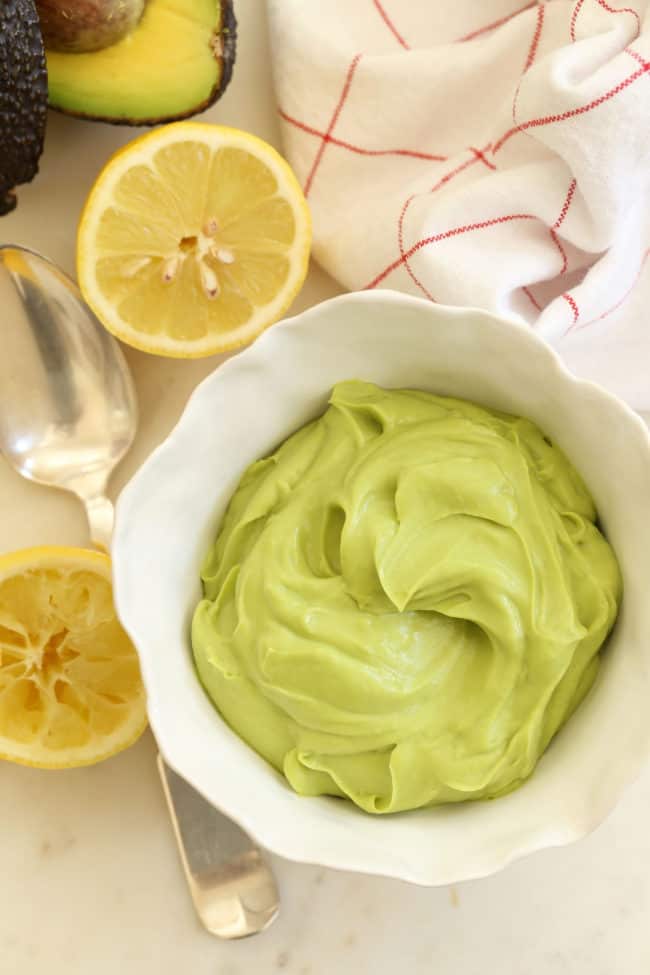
265	831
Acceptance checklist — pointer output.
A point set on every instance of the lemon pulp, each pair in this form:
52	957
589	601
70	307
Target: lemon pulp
70	685
194	239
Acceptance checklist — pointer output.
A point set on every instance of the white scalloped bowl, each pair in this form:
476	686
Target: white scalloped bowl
168	515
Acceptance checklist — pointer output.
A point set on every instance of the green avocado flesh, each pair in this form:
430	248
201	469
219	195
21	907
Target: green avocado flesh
23	97
405	601
176	62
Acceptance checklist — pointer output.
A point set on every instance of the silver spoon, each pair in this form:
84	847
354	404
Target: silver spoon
67	416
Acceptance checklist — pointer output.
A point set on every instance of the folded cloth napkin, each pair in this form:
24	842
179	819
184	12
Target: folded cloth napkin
482	152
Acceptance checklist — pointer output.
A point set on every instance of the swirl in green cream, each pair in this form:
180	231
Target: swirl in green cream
405	601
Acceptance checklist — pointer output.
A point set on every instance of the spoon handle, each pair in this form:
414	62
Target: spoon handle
231	884
100	514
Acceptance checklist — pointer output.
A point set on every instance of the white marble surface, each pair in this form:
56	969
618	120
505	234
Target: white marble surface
91	883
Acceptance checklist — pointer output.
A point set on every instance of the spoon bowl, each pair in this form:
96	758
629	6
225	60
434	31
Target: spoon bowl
68	411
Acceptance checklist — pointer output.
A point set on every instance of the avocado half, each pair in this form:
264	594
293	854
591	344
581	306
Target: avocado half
176	62
23	97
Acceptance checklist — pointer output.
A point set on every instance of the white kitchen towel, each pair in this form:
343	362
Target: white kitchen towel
482	152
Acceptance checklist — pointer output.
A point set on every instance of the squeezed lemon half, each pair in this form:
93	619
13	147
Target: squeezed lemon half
194	238
70	686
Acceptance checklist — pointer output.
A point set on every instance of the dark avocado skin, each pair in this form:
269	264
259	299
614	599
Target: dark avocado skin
23	97
227	55
229	42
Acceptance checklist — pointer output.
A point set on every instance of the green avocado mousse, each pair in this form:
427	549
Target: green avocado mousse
405	601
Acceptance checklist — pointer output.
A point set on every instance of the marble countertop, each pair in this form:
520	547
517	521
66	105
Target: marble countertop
92	883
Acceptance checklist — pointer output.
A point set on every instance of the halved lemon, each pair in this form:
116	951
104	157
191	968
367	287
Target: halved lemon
194	238
70	686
